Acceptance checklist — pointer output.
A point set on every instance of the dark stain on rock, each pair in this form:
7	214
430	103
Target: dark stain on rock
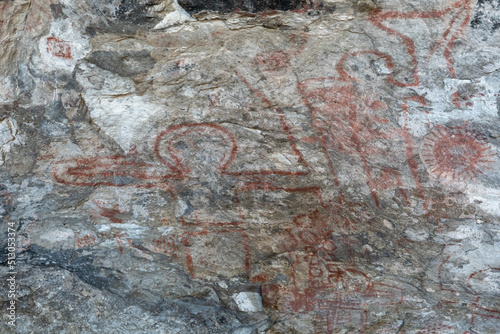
75	262
135	11
57	11
124	17
254	6
366	6
487	15
498	106
125	64
6	206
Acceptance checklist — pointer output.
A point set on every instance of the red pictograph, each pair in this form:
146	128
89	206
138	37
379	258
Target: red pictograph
89	240
186	152
335	295
109	211
347	121
179	147
323	280
483	280
38	16
189	249
485	317
117	171
281	59
302	165
85	240
375	54
485	310
460	13
59	48
274	61
455	153
410	146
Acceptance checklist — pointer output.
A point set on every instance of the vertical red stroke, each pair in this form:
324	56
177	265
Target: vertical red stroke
286	129
378	17
410	155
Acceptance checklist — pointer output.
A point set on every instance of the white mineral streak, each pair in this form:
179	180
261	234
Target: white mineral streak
117	110
248	301
175	17
486	197
8	137
59	235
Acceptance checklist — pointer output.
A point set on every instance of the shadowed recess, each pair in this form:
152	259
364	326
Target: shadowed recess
226	6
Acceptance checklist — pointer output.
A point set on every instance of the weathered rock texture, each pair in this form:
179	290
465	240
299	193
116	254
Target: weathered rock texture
251	166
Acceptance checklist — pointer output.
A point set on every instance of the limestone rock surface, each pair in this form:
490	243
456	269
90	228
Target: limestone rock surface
260	166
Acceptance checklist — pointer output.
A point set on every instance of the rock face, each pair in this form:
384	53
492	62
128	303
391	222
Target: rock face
250	166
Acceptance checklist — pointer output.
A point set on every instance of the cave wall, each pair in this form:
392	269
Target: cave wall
250	166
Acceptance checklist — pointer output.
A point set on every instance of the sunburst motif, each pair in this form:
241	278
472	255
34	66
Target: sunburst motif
456	153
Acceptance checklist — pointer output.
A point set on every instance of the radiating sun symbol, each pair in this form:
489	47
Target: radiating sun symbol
456	153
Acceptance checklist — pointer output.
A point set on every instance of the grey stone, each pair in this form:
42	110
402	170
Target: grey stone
248	167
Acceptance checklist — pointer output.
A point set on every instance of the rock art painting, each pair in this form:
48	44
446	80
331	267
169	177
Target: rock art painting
250	167
456	154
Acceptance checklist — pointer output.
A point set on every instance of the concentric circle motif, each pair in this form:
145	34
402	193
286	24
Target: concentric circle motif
456	154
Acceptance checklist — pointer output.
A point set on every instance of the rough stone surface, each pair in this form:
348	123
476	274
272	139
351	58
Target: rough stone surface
251	166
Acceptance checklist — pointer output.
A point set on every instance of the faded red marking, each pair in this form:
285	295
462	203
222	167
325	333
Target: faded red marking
312	236
419	99
190	263
342	203
279	60
345	120
441	269
89	240
410	154
168	245
477	304
246	248
59	48
110	171
266	186
286	129
470	296
389	178
119	241
378	17
388	60
37	7
178	248
456	99
334	294
109	212
456	153
274	61
207	224
492	321
473	275
165	149
332	307
46	157
85	241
